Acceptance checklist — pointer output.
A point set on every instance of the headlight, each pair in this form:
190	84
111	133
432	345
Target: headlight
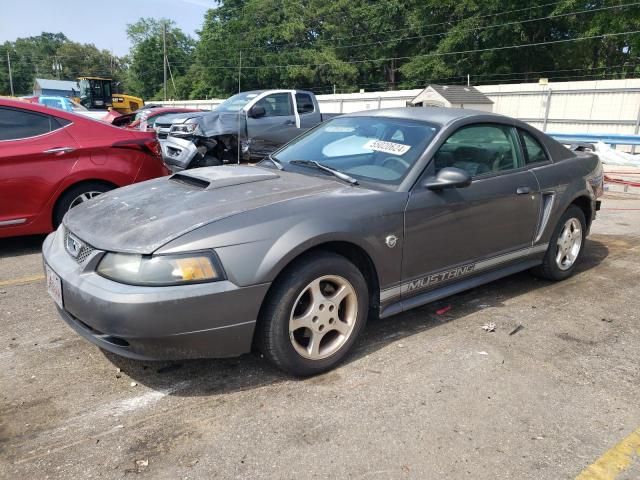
184	128
161	270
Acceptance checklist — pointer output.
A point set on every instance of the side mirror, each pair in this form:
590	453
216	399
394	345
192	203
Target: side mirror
257	111
449	177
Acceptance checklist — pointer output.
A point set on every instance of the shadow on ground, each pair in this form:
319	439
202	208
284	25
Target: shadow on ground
212	377
17	246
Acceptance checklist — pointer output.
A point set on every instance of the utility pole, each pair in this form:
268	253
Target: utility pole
239	71
164	50
468	80
10	77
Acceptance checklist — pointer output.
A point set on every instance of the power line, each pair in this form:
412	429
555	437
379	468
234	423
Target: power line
440	54
423	26
486	27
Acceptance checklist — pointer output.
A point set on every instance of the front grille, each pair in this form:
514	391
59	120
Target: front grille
83	252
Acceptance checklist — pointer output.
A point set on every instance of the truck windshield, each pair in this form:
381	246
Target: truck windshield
85	88
375	149
237	102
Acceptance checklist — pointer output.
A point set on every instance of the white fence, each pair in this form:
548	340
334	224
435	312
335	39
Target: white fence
603	106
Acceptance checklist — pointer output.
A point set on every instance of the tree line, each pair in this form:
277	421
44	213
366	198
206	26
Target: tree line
346	45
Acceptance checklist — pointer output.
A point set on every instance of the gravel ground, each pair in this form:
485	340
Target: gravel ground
423	396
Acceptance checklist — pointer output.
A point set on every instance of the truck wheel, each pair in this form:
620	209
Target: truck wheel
313	314
565	247
75	196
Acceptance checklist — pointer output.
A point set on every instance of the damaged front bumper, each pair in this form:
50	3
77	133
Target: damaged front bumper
178	153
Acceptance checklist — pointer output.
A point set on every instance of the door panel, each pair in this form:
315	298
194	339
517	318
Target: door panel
447	228
309	116
29	176
276	127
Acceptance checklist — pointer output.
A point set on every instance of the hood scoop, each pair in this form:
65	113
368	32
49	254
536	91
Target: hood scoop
210	178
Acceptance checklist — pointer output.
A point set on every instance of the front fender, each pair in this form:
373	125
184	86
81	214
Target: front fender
255	248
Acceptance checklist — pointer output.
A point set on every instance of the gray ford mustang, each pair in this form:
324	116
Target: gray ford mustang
371	213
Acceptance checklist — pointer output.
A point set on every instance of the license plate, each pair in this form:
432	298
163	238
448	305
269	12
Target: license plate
54	285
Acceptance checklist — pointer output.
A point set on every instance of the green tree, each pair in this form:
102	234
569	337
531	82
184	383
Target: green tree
53	55
145	74
277	40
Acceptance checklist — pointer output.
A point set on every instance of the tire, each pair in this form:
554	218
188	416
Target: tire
331	325
76	195
555	265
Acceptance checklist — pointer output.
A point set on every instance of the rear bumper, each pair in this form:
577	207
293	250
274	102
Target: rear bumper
209	320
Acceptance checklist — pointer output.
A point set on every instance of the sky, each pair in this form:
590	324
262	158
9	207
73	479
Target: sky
102	23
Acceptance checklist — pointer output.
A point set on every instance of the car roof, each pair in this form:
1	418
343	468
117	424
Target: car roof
41	108
437	115
26	105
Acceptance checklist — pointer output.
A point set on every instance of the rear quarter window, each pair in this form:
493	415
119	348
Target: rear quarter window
533	150
16	124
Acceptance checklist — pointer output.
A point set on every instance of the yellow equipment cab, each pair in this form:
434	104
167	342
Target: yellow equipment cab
96	93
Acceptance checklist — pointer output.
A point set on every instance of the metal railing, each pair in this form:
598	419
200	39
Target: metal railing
613	139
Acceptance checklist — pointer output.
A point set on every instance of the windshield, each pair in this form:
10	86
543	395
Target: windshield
376	149
237	102
52	102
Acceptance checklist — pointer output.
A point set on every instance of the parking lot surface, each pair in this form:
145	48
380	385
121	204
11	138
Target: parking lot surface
552	393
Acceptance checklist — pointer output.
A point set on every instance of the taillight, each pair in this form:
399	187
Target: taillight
153	145
148	145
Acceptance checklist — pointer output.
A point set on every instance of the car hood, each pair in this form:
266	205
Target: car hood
220	123
143	217
180	117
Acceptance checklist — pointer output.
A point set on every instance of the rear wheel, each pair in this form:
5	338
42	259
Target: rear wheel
75	196
565	247
313	314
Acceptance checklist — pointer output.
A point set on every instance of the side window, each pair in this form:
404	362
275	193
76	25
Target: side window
16	124
276	105
480	149
304	103
533	151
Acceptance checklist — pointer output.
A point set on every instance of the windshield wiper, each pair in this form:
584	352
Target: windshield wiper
333	171
275	162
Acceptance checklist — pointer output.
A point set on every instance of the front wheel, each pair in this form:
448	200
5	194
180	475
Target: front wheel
565	247
75	196
313	314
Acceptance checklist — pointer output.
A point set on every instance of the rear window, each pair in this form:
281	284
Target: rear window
304	103
16	124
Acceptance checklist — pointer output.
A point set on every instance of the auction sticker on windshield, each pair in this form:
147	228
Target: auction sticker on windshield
387	147
54	285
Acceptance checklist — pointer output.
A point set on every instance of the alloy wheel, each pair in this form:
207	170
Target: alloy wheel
86	196
323	317
569	244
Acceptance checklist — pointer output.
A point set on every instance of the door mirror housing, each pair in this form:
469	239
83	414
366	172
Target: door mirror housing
449	177
257	111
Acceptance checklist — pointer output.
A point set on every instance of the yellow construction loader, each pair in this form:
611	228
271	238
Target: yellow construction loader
96	93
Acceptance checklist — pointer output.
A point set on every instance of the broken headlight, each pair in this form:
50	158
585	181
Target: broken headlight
183	129
161	270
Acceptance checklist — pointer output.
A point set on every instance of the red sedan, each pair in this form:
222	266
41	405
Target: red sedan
52	160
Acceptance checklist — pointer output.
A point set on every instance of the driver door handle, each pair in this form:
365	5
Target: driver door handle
60	150
290	122
523	190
